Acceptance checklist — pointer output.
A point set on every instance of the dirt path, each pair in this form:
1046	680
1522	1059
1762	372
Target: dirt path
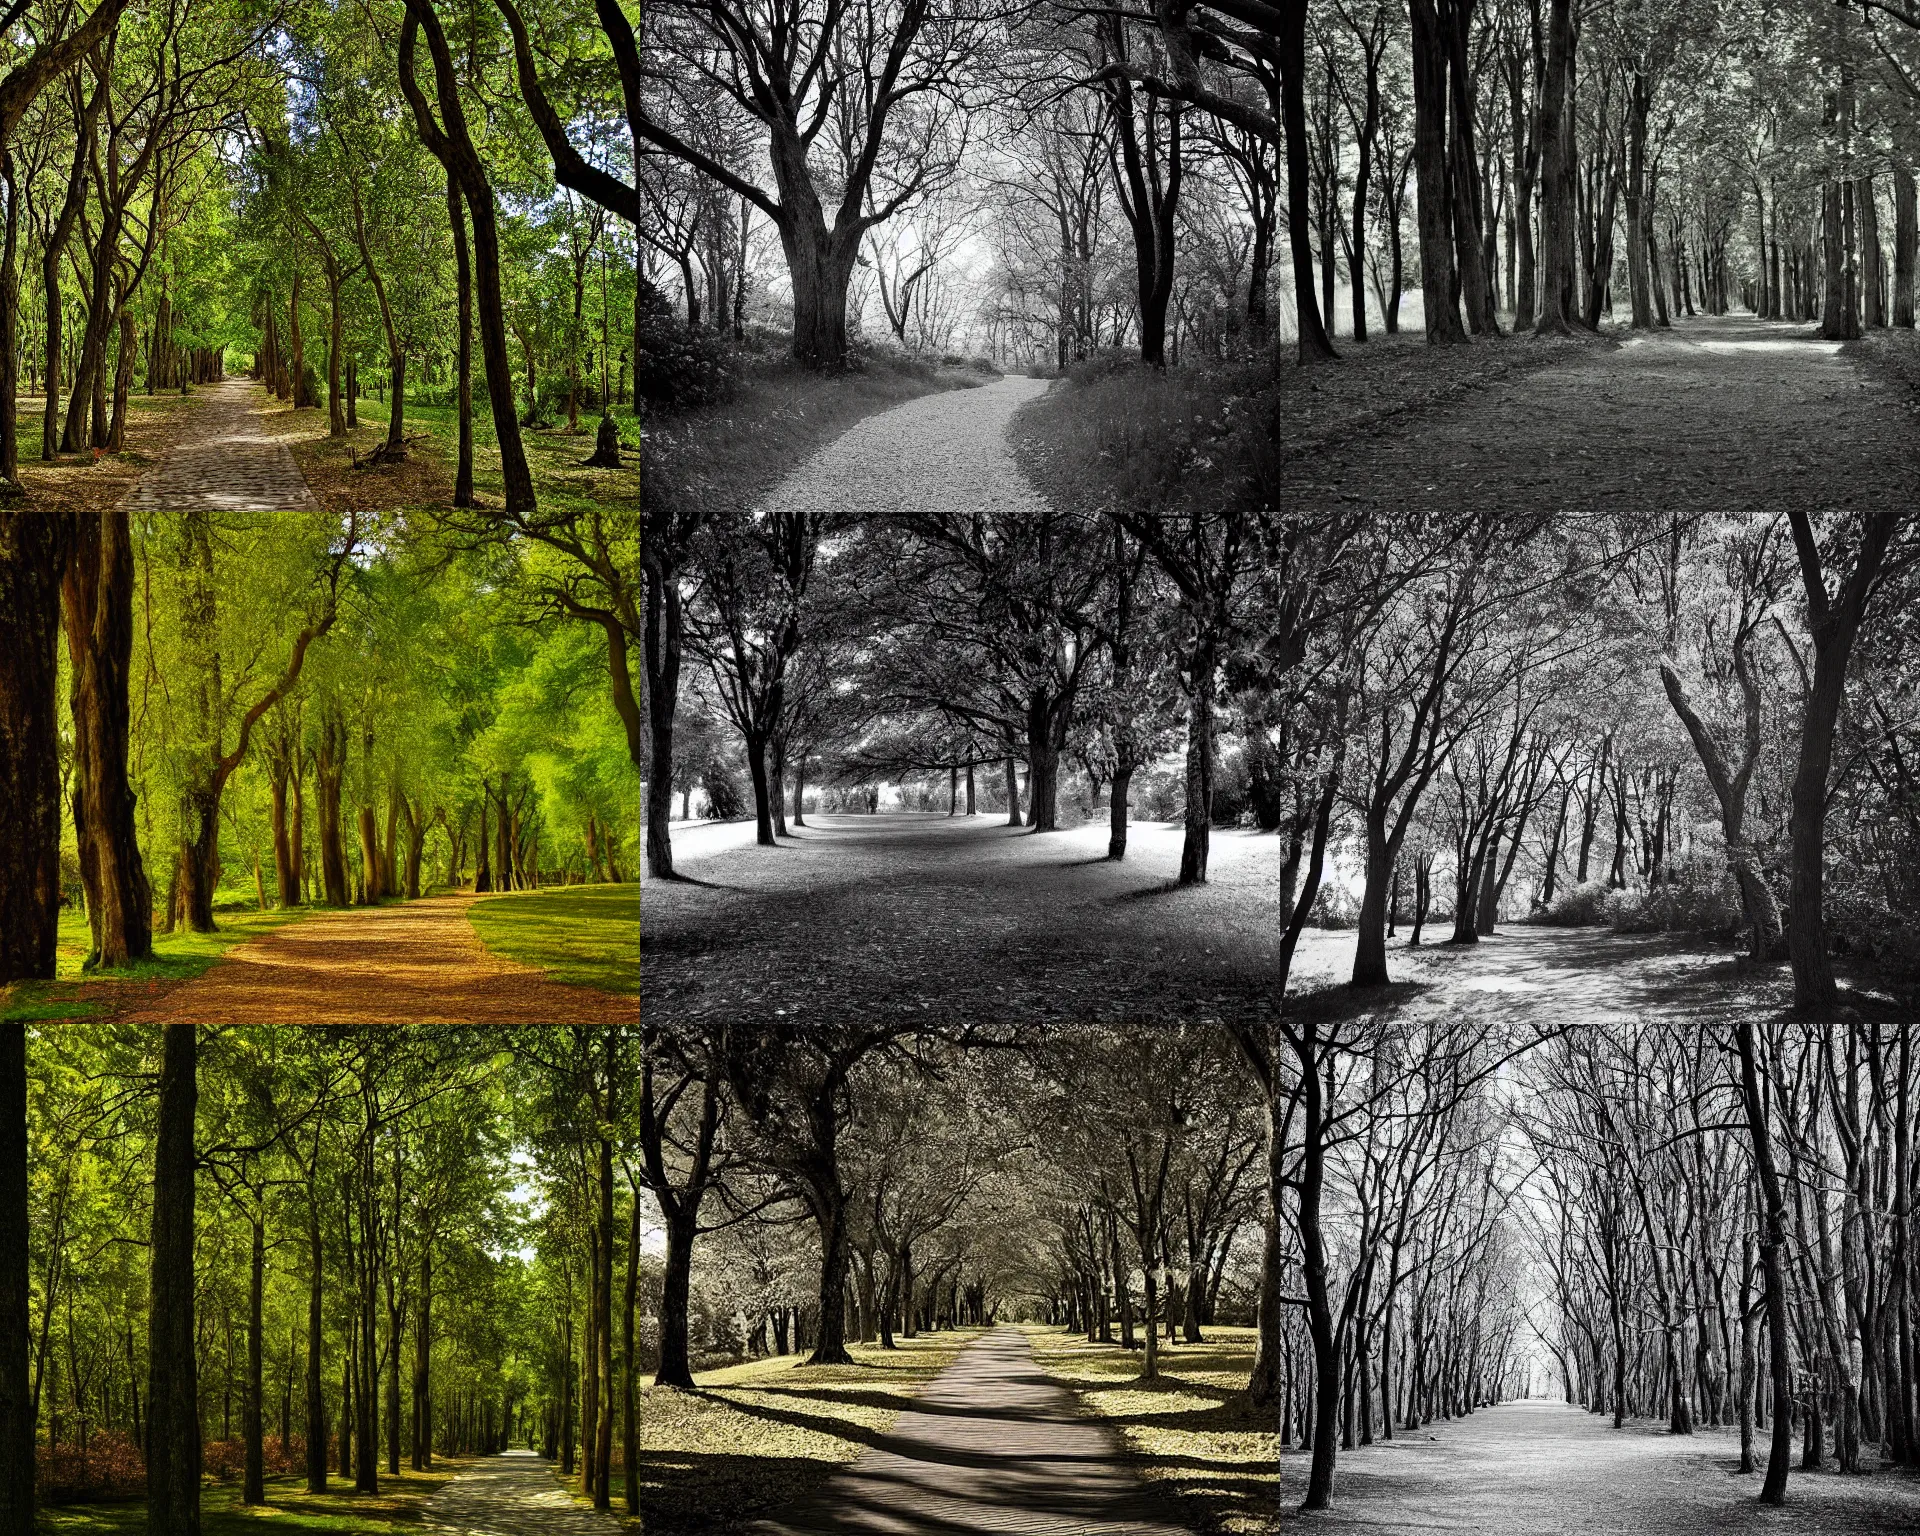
222	461
1727	414
418	963
1544	1469
513	1495
992	1444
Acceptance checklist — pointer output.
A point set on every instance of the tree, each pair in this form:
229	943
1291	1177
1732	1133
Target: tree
888	85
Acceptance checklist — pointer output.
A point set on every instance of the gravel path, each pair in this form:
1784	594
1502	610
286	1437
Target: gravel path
513	1495
418	963
222	461
1545	1469
992	1445
930	451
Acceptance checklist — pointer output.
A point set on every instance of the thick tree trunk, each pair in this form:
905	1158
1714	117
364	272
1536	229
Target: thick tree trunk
1013	795
32	552
97	598
1438	278
10	335
1556	177
173	1429
1199	813
630	1365
1117	811
661	656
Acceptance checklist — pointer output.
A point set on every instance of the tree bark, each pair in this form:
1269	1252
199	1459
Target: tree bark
463	355
253	1489
97	600
454	149
173	1430
32	551
1906	237
16	1397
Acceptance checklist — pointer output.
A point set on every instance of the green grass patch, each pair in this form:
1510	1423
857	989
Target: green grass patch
1193	1431
289	1510
177	956
585	935
753	1437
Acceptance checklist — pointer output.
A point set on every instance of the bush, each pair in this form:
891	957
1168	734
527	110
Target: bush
1335	907
1584	906
679	368
725	800
1104	363
1695	901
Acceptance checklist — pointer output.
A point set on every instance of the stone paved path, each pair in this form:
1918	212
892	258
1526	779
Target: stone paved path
419	963
222	461
512	1495
993	1445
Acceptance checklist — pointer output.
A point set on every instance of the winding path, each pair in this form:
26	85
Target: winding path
419	963
222	461
992	1445
513	1494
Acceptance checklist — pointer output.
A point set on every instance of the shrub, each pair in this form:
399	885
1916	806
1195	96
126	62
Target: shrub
1583	906
725	799
680	368
1335	907
1104	363
1696	900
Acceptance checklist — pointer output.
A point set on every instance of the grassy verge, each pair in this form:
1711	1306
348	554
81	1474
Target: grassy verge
289	1511
1114	432
586	935
177	956
1193	1431
752	1437
733	453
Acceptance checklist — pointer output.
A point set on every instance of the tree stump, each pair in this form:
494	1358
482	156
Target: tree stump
606	446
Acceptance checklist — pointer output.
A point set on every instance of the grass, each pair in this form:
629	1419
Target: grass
1193	1431
585	935
289	1510
177	956
752	1437
733	453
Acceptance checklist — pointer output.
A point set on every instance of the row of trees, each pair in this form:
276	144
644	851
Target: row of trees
329	1249
1144	172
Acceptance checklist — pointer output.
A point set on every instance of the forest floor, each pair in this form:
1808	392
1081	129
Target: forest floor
753	1437
965	918
1546	1469
1718	415
514	1494
419	962
290	1510
1193	1432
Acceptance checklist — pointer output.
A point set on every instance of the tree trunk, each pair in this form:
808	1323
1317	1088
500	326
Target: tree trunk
423	1363
1906	237
254	1489
1556	177
32	551
1199	813
173	1429
630	1365
1438	278
454	149
1291	48
16	1289
97	598
463	287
